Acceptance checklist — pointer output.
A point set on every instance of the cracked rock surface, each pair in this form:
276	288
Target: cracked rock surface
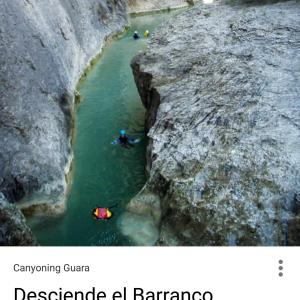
221	85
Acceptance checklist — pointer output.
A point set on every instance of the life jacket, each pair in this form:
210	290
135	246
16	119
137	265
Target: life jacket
102	213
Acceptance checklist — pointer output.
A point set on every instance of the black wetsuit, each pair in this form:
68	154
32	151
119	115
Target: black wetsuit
136	36
123	139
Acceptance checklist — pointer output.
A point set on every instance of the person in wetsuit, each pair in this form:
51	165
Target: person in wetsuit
136	35
124	140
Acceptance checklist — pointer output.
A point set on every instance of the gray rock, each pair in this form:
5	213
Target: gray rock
221	86
44	48
143	6
13	229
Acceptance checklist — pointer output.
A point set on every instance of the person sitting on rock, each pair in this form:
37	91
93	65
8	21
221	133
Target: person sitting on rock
146	34
136	35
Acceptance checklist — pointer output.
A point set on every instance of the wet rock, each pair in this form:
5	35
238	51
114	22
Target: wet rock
142	218
139	228
221	88
13	229
44	48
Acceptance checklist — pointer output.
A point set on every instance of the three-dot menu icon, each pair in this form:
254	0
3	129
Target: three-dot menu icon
280	267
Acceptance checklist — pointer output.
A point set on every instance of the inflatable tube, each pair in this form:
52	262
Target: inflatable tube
102	213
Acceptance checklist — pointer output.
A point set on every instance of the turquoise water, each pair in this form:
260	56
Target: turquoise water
104	174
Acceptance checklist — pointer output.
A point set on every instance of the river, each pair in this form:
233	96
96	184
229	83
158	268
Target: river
104	174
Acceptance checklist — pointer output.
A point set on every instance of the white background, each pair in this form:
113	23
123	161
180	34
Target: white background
230	273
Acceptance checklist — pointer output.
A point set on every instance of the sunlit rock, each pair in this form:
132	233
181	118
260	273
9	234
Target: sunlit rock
221	88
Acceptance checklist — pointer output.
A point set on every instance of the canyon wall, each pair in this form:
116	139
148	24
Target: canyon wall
221	87
143	6
44	48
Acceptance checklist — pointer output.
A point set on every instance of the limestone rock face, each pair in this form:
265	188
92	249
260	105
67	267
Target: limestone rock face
140	6
44	48
221	86
13	229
